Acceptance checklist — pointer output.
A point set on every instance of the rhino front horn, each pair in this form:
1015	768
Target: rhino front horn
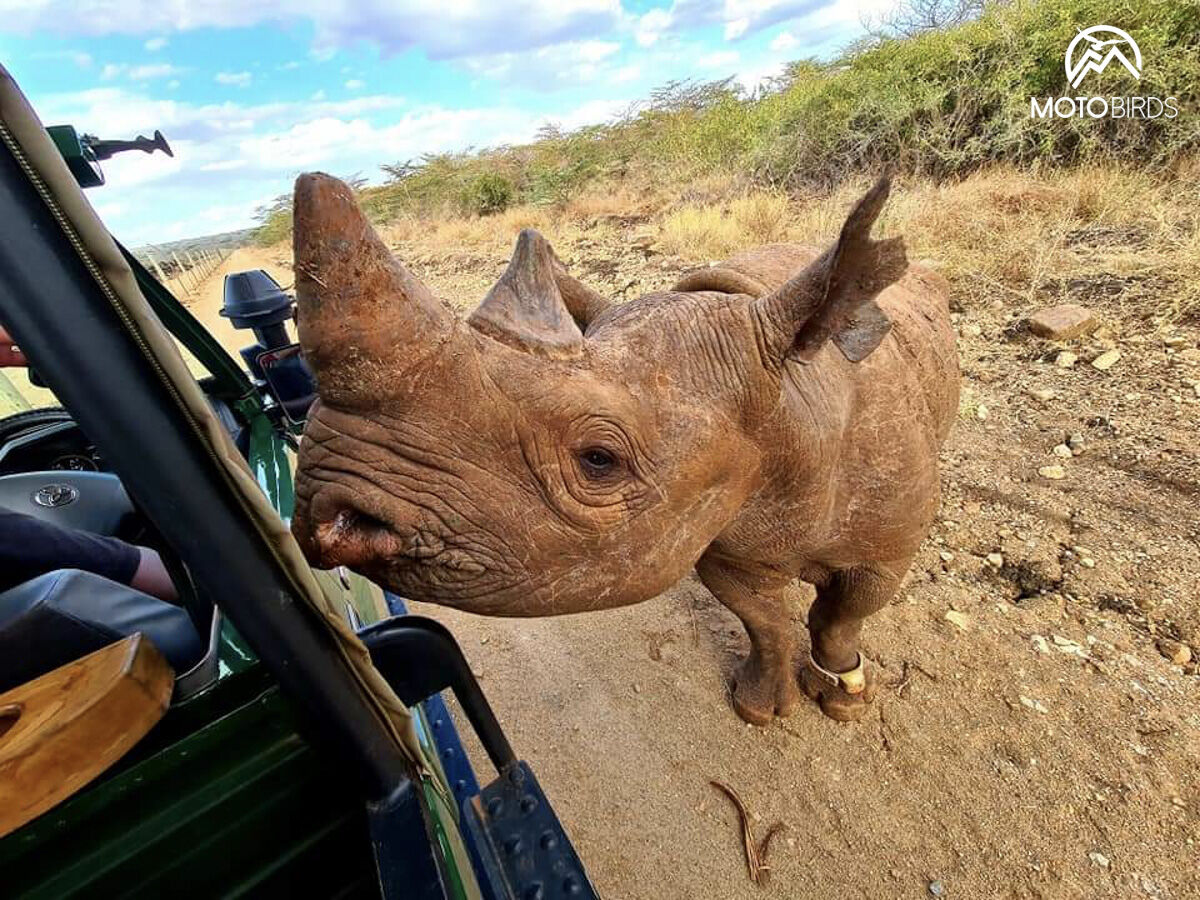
363	318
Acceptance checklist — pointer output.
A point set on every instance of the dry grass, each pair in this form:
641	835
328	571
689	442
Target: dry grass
1098	235
711	232
1104	233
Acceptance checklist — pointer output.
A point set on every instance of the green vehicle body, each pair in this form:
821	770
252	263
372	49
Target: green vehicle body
224	797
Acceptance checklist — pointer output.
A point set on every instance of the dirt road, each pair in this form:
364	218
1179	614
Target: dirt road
1033	743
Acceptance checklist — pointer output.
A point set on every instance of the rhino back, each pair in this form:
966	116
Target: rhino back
921	341
851	451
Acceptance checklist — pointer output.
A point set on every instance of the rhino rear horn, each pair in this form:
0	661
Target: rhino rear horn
833	298
526	309
362	316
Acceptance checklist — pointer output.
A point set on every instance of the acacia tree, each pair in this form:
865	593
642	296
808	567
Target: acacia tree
918	16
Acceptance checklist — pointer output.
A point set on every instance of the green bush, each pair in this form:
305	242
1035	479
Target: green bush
488	193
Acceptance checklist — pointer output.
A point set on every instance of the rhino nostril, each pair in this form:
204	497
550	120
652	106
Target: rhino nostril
351	537
349	520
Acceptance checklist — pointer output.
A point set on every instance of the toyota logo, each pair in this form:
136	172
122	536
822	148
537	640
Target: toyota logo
52	496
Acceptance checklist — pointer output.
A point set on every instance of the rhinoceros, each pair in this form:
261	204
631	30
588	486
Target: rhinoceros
773	418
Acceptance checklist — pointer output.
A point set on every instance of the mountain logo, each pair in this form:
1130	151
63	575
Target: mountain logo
1096	48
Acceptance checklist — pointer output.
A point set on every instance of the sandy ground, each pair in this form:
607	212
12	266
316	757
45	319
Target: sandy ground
1036	743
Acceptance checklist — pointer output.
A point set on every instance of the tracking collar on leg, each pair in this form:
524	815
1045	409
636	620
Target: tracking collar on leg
853	681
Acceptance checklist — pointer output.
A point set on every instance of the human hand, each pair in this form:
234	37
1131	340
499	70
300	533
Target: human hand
10	353
152	577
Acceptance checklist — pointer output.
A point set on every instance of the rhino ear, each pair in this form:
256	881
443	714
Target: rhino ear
834	297
525	308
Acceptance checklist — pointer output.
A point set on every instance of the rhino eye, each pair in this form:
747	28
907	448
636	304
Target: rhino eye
597	462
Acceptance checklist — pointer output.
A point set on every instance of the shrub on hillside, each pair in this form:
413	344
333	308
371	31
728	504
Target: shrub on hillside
488	193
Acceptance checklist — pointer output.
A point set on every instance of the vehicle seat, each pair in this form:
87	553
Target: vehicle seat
58	617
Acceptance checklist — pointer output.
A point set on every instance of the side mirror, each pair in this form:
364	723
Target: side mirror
290	380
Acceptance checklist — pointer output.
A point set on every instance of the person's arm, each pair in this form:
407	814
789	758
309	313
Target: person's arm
30	547
10	353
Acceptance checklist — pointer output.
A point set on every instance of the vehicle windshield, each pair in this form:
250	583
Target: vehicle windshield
17	393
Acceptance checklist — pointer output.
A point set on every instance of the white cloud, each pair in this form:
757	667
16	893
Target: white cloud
147	72
251	153
758	76
155	44
650	27
626	74
224	165
355	84
741	18
78	57
150	72
239	79
461	28
721	59
783	42
736	28
289	66
573	63
594	51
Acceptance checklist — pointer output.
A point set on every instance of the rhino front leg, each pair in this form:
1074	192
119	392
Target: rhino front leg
765	685
841	681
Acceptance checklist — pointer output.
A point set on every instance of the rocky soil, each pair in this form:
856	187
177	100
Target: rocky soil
1038	732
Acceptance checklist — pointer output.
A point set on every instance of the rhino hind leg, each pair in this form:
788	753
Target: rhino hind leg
765	684
842	681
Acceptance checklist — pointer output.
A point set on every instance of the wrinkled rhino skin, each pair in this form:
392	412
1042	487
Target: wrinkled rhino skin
775	417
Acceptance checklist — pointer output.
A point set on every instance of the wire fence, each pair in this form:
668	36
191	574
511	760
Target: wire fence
183	271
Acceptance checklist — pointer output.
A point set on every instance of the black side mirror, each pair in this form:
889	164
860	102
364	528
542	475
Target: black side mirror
290	380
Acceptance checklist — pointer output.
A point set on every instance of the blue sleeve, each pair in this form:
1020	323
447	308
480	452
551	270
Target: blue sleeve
30	547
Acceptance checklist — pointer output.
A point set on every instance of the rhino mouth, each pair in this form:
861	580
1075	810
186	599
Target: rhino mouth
362	541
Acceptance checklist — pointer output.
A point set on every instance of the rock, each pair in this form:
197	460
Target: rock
637	688
937	889
1066	359
1061	323
946	556
1175	341
1106	360
1087	562
1054	473
1063	451
1075	442
1045	395
995	559
959	620
1039	643
981	412
1179	654
1098	859
971	330
1035	705
1066	645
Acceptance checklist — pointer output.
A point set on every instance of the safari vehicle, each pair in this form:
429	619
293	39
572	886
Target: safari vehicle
304	748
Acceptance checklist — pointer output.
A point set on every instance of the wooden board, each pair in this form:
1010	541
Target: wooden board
60	731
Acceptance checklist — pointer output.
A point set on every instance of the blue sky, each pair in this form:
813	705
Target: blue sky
250	92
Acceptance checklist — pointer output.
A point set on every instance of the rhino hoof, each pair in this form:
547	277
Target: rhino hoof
759	695
835	701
